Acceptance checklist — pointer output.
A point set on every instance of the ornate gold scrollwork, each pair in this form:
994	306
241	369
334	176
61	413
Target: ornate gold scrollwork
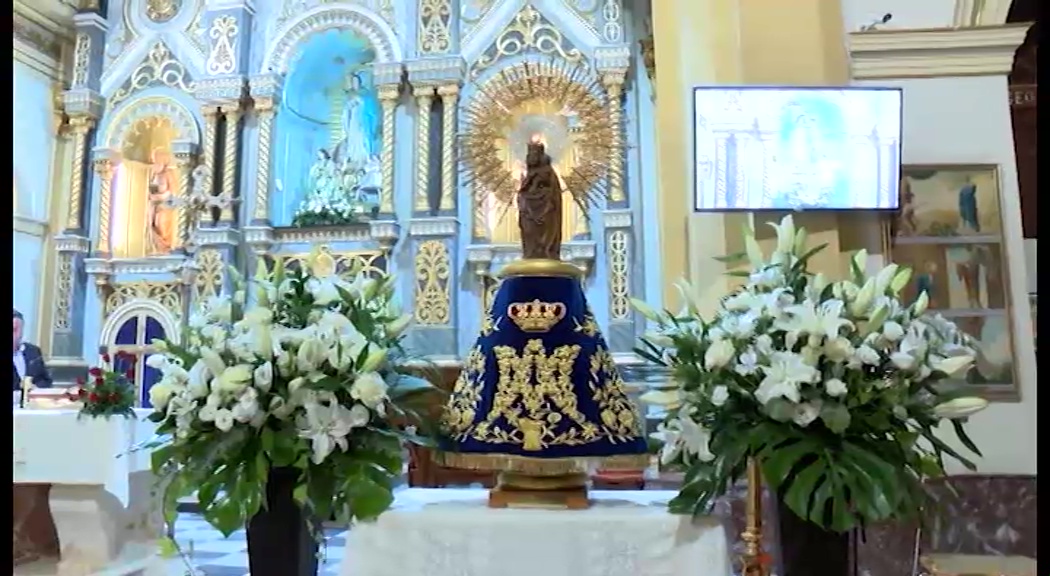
535	394
536	316
160	67
529	31
466	395
367	262
211	270
435	18
433	289
222	55
64	292
168	294
619	270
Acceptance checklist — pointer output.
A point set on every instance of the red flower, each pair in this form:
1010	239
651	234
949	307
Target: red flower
99	380
96	372
93	397
106	358
81	393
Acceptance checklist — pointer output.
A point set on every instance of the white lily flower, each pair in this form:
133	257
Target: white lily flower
785	372
960	408
326	426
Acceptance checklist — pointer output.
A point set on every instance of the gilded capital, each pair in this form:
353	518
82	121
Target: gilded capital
389	91
103	166
423	92
614	78
448	90
81	124
264	105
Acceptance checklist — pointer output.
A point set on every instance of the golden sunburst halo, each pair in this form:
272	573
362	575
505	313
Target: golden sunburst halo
488	119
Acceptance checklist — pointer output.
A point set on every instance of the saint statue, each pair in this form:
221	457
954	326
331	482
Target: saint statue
540	206
163	222
356	147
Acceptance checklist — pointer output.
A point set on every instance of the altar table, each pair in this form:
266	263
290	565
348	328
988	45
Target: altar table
446	532
99	496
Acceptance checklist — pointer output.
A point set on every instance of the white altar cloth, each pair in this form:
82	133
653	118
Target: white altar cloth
448	532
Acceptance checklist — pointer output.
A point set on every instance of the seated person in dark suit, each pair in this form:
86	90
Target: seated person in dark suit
28	360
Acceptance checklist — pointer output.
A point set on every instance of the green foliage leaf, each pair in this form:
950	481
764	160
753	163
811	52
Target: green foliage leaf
731	258
835	416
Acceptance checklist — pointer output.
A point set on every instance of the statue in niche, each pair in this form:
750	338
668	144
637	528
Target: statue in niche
329	110
163	220
540	205
143	221
551	126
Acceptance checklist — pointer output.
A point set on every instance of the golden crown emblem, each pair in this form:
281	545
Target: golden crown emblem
536	316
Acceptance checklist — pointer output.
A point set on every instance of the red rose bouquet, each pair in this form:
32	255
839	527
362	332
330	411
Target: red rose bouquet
107	391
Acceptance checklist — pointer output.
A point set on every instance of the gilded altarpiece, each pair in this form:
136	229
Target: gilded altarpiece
212	133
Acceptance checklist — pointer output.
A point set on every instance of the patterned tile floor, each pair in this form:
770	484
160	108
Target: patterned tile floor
214	555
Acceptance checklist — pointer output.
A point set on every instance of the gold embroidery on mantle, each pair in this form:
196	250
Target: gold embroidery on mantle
462	407
535	393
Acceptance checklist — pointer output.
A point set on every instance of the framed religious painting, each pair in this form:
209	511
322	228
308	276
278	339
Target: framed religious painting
949	232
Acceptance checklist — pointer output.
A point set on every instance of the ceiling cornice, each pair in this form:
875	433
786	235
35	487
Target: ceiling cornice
935	52
39	38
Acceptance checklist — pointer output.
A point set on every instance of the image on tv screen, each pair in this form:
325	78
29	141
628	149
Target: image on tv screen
781	148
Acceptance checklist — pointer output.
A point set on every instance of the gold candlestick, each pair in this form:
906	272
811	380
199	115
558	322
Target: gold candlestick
754	561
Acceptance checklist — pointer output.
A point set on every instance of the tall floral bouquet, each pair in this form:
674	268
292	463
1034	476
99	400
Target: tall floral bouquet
310	377
832	386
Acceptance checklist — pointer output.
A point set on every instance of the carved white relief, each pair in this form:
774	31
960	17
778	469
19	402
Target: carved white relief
133	34
612	29
186	127
361	20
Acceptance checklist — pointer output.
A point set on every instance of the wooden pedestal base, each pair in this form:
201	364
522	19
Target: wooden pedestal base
562	499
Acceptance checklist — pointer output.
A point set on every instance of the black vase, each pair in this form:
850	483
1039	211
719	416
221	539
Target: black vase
809	550
279	538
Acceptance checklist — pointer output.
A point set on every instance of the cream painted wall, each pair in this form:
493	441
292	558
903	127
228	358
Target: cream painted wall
34	144
906	13
941	126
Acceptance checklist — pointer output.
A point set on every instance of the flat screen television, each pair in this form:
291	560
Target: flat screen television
791	148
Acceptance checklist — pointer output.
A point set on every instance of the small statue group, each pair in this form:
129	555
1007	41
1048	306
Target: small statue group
331	181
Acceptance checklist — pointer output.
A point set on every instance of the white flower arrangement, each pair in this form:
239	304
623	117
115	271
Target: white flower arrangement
307	376
830	385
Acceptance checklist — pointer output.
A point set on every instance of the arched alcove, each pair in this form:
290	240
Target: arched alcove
141	136
130	330
328	127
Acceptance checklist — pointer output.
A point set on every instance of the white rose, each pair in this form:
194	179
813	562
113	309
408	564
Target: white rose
719	395
892	331
719	354
160	394
224	419
370	389
867	355
838	349
806	413
835	387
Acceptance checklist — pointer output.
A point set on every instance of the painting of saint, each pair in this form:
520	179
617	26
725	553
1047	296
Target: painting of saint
328	133
949	201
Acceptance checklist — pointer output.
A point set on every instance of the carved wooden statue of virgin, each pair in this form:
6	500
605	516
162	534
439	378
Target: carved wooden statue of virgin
540	206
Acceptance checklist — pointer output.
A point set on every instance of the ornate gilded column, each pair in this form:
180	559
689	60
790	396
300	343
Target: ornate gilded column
232	113
81	126
207	157
184	162
388	97
424	101
613	82
104	163
264	90
449	94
